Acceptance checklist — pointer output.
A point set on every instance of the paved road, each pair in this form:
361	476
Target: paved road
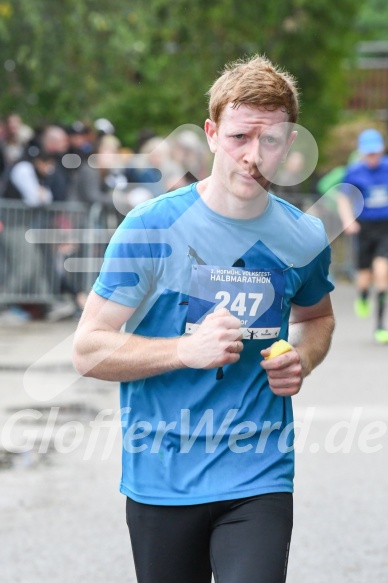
62	517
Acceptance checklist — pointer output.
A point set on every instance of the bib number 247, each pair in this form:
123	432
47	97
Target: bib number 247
239	304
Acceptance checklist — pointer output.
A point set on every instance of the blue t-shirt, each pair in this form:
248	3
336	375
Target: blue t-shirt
373	185
187	437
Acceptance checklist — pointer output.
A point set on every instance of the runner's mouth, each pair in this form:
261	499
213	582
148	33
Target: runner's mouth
252	177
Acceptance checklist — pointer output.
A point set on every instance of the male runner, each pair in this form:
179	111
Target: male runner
370	176
206	278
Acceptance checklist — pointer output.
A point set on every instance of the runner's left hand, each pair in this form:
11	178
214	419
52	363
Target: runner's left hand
285	372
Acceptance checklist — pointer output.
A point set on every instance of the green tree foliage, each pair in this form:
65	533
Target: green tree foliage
60	57
372	21
149	64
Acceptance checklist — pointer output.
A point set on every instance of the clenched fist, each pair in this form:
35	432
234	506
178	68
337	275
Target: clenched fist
216	342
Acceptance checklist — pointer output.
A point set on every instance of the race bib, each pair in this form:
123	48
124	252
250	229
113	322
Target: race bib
255	296
377	197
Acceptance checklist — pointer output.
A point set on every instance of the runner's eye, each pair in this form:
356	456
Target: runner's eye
239	136
270	140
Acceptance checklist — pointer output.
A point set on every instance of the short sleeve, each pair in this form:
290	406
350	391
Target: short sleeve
350	181
127	271
315	280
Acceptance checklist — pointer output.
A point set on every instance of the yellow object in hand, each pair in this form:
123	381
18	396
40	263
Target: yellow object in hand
279	347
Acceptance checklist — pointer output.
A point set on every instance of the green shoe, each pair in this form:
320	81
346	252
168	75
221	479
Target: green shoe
362	308
381	336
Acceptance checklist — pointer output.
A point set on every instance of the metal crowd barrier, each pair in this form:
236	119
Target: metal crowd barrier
37	243
48	252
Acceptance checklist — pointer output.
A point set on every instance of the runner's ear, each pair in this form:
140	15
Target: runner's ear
211	135
290	141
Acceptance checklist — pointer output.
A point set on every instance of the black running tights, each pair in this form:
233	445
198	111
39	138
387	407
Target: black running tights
238	541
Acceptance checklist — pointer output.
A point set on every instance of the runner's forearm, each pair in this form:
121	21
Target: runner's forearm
345	209
113	356
312	339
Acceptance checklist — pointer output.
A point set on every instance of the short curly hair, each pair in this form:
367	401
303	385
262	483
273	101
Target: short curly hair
256	82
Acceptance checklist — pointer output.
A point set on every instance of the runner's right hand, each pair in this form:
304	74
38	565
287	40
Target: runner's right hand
215	343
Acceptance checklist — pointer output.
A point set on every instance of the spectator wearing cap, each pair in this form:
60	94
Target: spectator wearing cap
370	176
81	138
104	127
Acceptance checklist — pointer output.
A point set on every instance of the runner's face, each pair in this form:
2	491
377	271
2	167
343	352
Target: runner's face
248	144
373	160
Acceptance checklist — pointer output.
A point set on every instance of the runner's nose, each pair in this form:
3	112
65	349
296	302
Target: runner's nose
252	155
